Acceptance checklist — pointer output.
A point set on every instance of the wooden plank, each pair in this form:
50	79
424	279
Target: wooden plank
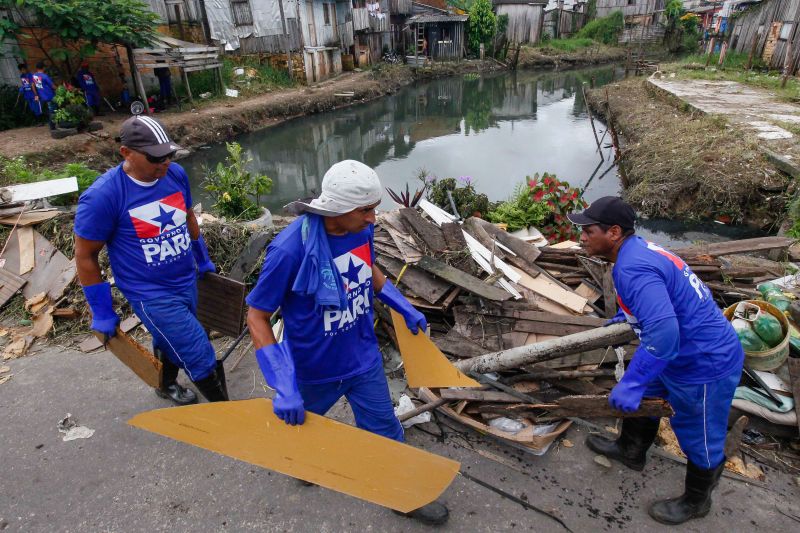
41	189
548	328
429	233
587	406
143	363
454	237
477	395
52	273
552	291
27	259
249	256
609	292
793	364
457	345
10	283
588	291
462	279
30	217
473	227
423	284
220	304
526	251
91	342
758	244
529	312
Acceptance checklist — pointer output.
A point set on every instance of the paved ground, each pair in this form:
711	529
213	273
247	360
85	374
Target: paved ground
127	480
756	110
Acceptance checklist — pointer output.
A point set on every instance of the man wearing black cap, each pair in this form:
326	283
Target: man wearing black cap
142	211
689	354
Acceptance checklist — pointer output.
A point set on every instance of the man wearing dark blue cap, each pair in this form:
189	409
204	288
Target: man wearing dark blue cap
689	354
142	212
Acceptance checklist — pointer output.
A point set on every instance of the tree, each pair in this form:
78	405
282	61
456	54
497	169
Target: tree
78	26
482	24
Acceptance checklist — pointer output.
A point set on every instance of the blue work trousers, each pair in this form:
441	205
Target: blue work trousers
172	321
701	415
35	106
368	394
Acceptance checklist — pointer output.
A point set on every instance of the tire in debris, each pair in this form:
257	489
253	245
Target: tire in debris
95	126
60	133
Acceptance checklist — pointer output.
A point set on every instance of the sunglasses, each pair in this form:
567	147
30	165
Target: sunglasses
157	160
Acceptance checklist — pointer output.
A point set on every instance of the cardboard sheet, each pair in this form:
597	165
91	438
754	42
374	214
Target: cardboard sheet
322	451
425	364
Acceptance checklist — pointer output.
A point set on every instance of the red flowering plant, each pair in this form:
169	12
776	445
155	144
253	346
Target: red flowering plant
561	199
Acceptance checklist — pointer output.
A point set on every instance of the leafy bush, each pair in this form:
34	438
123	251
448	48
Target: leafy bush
481	25
258	77
14	112
71	106
468	201
17	170
561	199
237	191
567	45
605	30
520	211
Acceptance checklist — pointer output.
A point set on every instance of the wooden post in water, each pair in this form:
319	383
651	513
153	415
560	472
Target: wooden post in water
787	64
591	121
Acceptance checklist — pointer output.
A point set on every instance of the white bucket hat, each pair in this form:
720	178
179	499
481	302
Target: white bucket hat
346	186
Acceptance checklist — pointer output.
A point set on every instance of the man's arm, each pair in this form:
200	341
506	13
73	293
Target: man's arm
258	322
192	225
378	279
87	260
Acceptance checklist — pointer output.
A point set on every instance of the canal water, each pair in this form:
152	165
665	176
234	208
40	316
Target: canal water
494	130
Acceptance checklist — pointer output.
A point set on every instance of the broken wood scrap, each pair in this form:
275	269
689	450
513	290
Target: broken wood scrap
758	244
29	218
454	237
477	395
474	228
10	283
91	342
613	335
25	192
457	345
544	374
462	279
52	272
584	407
552	291
420	282
526	251
427	232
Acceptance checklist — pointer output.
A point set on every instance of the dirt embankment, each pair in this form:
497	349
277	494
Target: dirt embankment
544	57
676	164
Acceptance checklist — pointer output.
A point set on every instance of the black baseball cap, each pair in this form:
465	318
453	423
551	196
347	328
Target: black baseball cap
608	210
147	135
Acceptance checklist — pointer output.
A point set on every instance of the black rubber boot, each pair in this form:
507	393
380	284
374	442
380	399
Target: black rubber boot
213	387
631	447
433	514
170	389
696	499
221	374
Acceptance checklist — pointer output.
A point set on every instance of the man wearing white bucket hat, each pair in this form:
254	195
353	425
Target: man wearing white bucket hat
320	271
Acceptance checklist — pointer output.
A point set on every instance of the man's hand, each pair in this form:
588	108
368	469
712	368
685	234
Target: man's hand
201	257
415	321
643	368
104	319
277	365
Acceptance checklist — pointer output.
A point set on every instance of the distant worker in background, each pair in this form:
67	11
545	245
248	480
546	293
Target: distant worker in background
88	84
46	90
28	90
164	85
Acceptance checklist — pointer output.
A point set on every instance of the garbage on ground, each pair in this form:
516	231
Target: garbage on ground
71	430
404	406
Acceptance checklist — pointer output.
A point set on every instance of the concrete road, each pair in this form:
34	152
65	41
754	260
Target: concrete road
127	480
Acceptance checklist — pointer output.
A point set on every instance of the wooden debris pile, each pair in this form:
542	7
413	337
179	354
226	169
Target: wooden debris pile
527	322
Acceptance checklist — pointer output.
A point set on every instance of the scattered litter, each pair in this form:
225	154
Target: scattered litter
71	430
507	425
232	93
567	443
5	370
602	460
404	405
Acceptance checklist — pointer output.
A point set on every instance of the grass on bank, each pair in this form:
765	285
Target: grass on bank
571	44
733	69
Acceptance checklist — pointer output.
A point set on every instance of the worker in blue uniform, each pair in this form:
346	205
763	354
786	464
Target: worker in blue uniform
321	272
689	355
88	84
28	90
46	90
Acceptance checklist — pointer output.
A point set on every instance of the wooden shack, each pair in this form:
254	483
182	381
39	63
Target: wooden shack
525	19
437	36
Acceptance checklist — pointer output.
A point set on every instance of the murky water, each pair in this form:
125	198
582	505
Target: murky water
495	129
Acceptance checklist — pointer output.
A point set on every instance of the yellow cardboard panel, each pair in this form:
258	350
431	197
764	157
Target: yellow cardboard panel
331	454
425	364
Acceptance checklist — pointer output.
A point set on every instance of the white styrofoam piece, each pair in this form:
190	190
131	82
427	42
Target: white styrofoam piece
40	189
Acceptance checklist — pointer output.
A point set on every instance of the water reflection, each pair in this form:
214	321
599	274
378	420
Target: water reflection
497	129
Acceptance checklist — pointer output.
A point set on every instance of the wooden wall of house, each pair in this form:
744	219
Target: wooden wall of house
629	7
771	24
565	26
449	47
524	22
273	43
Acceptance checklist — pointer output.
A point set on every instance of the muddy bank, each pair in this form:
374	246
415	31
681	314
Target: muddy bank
679	164
544	57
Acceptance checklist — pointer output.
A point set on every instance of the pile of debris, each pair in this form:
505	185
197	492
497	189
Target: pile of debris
525	321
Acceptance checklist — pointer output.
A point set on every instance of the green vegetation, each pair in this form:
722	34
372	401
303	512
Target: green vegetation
236	190
14	112
520	211
17	170
257	78
605	30
72	111
468	201
567	45
481	26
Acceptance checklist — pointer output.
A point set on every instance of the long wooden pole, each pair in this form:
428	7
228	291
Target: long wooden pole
550	349
591	121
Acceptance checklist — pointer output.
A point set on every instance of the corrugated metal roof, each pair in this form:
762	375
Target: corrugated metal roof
425	19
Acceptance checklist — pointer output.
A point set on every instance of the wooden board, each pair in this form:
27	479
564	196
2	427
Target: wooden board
458	345
321	451
793	364
52	272
734	247
405	245
27	259
220	304
40	189
550	290
462	279
143	363
454	237
425	364
9	285
424	285
249	256
477	395
30	217
593	407
587	291
91	342
428	232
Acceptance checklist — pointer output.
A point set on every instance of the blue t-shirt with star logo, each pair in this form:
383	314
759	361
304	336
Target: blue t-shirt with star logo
144	228
326	345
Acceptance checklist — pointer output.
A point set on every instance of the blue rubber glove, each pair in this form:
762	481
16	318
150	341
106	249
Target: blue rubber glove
616	319
415	320
104	319
201	257
277	366
628	393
